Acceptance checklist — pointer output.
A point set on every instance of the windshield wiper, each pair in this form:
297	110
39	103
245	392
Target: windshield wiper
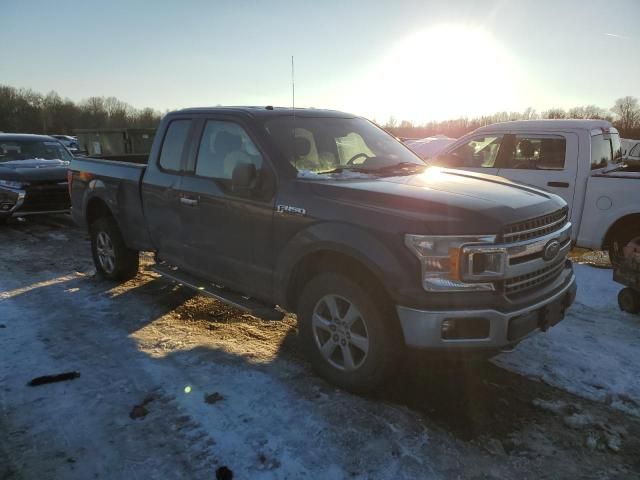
399	166
346	168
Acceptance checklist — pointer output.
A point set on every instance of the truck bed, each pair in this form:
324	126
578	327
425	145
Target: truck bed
119	183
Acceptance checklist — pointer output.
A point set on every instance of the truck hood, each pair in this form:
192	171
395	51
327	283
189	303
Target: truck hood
445	201
34	170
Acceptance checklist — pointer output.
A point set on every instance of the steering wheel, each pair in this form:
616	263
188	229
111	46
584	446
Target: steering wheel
355	157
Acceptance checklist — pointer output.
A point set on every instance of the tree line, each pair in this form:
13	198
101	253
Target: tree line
25	111
624	114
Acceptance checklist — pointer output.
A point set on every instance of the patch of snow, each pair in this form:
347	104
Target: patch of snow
594	352
344	175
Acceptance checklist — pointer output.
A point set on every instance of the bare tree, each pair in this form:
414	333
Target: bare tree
554	113
628	112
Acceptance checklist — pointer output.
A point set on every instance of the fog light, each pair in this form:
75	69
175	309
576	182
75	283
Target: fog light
465	328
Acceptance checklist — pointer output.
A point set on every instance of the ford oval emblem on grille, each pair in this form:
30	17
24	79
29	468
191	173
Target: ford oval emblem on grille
551	250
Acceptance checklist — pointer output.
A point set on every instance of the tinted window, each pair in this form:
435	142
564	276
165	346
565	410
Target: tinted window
635	151
174	144
605	149
537	152
479	152
223	146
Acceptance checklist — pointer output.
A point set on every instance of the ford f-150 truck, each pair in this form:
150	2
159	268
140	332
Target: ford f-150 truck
580	160
325	215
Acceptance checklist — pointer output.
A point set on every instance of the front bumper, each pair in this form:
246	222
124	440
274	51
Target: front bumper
432	329
41	201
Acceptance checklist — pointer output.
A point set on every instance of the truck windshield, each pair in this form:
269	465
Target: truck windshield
605	150
329	144
12	150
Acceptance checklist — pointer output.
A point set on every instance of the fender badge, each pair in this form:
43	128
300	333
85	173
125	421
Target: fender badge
289	210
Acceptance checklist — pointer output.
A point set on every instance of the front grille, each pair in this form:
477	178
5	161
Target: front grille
535	279
536	227
46	198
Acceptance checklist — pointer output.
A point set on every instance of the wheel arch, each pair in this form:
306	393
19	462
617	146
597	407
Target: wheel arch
624	223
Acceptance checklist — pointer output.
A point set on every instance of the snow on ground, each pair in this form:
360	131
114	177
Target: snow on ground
594	352
159	348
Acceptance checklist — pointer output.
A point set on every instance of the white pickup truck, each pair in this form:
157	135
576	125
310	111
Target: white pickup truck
580	160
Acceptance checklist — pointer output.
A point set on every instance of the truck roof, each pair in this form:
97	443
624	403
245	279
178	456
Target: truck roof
24	136
267	111
551	124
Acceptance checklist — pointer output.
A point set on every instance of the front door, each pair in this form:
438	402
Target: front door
227	232
548	161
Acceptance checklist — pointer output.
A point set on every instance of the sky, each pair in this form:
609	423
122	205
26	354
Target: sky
413	60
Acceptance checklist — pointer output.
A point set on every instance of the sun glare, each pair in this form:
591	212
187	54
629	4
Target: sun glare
443	72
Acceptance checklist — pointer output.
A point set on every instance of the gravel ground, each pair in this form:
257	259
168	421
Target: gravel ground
176	385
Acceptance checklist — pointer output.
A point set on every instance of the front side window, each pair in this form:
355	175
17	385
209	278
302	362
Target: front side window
605	150
537	152
479	152
174	144
224	145
14	150
327	144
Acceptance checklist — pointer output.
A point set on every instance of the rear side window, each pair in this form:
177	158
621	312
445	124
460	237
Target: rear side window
174	144
635	151
537	152
605	150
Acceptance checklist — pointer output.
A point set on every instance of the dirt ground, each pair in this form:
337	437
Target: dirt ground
176	385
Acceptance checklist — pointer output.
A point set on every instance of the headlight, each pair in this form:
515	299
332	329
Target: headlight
11	184
446	267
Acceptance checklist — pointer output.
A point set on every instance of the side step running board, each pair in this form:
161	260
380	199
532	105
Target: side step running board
249	305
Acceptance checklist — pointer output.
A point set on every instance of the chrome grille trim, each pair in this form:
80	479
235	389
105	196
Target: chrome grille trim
536	227
533	279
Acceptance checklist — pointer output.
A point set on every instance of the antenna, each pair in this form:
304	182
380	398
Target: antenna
293	107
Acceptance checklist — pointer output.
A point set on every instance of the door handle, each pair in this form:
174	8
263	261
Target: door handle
189	201
558	184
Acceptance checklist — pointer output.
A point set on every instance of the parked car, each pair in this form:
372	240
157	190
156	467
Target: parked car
339	223
580	160
429	147
33	175
68	141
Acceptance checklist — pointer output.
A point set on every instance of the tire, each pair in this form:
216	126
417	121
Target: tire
366	352
618	242
629	300
112	258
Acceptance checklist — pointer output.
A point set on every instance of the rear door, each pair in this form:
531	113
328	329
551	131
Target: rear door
477	154
161	191
228	234
547	160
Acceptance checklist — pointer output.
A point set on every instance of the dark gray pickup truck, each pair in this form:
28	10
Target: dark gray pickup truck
326	215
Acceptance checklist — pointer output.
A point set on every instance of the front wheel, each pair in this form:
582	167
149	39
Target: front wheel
348	332
112	258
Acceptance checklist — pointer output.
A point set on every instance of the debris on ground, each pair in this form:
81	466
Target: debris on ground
61	377
140	411
212	398
224	473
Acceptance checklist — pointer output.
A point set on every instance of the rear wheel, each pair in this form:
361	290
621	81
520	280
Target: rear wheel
629	300
349	334
111	256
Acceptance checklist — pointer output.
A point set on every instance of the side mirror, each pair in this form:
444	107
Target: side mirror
243	177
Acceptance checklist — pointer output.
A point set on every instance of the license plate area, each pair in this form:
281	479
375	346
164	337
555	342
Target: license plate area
542	318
